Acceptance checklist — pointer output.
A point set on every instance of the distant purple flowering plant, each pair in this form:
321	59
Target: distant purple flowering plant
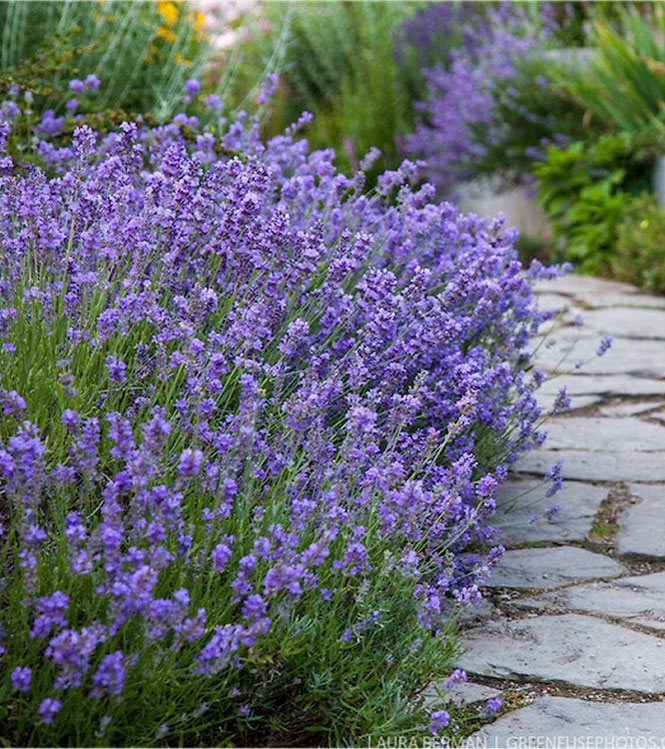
20	678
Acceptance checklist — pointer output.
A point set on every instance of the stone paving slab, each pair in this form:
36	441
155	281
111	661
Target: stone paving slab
644	301
571	649
551	567
476	615
582	465
606	434
642	525
555	302
515	517
625	322
638	599
611	386
582	723
574	284
631	408
561	352
463	693
622	442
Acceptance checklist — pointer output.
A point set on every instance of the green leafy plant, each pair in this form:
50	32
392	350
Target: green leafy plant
639	256
142	51
623	85
531	111
584	188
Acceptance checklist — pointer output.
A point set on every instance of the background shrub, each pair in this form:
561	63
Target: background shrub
639	255
340	62
623	85
143	51
585	188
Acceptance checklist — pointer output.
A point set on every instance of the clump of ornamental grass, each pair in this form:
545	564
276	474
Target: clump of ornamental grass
252	421
144	51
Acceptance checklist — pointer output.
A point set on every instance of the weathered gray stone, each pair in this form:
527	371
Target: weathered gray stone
556	302
599	301
642	525
626	322
637	599
518	502
551	567
573	285
520	209
630	408
571	649
561	352
580	722
463	693
659	416
608	385
597	433
583	465
476	615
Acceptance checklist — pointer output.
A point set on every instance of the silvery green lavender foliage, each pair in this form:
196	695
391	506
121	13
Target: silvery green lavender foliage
252	424
460	96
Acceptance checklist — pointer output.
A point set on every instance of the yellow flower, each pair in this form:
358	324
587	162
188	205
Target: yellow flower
644	224
165	34
199	21
178	59
168	11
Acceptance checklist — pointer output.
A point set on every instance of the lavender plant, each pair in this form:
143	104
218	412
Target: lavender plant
252	423
461	94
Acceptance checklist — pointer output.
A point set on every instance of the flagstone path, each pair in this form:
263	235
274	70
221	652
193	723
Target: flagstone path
573	630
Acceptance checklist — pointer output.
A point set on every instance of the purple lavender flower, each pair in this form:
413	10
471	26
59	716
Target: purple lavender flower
213	103
117	369
220	555
20	678
268	88
70	419
12	403
604	345
190	462
550	512
48	708
457	676
555	477
192	87
491	707
76	85
51	613
562	401
92	82
254	607
438	719
110	676
49	124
